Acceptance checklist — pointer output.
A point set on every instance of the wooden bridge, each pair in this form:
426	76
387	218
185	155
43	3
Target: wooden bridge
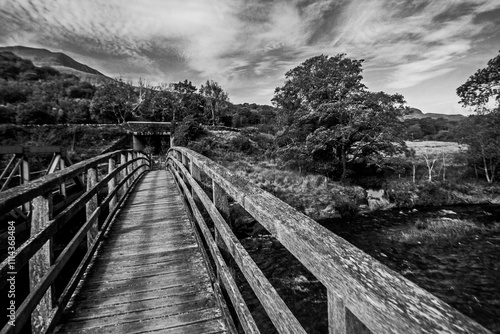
138	256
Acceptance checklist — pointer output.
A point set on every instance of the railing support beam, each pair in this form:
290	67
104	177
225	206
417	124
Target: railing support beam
91	206
40	263
111	183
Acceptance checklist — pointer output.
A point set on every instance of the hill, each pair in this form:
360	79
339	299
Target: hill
418	114
60	61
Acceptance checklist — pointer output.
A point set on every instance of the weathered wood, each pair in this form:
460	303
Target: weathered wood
226	277
91	205
29	304
279	313
155	286
40	263
62	186
6	169
336	315
9	178
130	157
111	183
75	279
123	162
380	298
17	196
24	173
28	249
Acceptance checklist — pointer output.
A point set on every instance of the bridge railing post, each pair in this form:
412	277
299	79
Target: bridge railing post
130	168
24	169
221	202
91	206
337	313
62	186
111	183
185	162
196	174
40	263
123	174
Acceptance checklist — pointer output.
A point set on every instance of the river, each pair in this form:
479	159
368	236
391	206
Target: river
464	272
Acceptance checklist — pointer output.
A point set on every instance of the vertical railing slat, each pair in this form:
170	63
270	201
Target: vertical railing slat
111	183
40	263
91	206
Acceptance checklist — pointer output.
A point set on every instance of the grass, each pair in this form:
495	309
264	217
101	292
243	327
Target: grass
314	195
435	147
438	230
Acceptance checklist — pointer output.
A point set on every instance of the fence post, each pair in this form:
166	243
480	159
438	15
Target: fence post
91	206
62	186
336	315
111	183
130	168
40	263
24	169
185	162
222	204
196	174
123	161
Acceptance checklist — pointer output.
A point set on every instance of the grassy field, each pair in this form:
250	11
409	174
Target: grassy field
435	147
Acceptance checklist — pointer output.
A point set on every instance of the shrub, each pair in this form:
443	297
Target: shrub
240	143
187	131
347	208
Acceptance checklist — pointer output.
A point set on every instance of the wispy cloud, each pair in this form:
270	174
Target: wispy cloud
244	43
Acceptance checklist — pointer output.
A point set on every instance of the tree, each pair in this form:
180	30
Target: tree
215	99
482	132
482	135
327	107
113	102
482	87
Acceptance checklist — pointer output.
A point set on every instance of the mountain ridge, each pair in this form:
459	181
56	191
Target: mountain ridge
58	60
417	113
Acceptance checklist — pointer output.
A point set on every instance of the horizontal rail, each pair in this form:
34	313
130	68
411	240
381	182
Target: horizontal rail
383	300
17	196
36	251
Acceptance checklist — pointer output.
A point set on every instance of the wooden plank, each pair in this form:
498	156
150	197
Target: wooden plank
40	263
226	277
147	276
91	206
281	316
336	315
383	300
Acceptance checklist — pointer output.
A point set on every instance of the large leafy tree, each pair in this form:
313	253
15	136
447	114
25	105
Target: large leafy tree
482	88
113	102
482	135
482	132
328	113
215	99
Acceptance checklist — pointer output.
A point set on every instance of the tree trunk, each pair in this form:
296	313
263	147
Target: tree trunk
344	165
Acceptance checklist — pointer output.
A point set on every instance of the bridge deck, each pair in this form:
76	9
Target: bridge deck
150	275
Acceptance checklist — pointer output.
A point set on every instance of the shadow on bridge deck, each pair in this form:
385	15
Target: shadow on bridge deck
149	275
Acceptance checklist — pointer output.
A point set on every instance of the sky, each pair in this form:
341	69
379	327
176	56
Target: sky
422	49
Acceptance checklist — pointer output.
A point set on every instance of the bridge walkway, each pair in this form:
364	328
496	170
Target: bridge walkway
150	274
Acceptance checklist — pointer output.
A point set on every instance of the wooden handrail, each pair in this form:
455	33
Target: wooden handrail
383	300
36	251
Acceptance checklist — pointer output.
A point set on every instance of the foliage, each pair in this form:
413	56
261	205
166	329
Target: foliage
187	131
482	135
41	95
482	87
113	102
215	99
329	114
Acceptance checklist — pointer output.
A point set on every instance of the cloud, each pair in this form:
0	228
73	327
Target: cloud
243	43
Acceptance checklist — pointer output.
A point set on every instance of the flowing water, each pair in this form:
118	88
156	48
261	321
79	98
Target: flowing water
464	271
